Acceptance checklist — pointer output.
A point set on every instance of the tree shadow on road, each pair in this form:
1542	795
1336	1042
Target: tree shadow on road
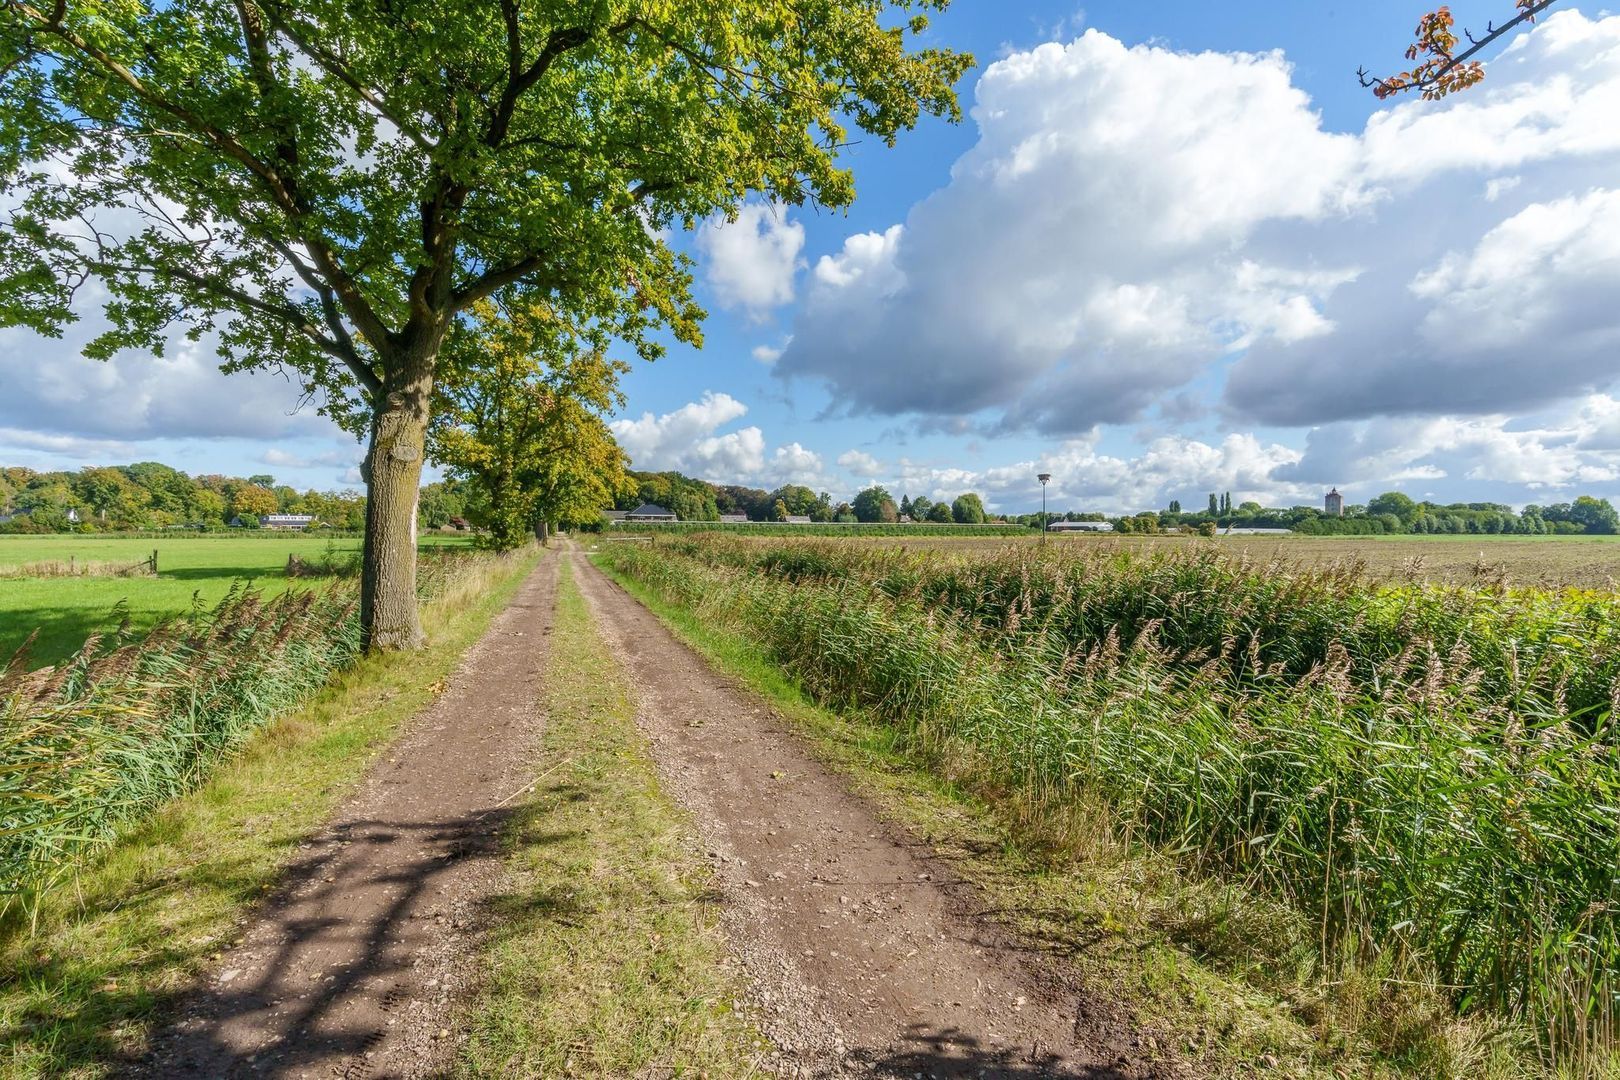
331	978
954	1055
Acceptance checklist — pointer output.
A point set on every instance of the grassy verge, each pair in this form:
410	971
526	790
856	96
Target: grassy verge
606	960
107	954
1206	968
65	611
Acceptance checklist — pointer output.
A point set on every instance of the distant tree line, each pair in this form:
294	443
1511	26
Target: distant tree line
1391	513
691	499
698	500
150	495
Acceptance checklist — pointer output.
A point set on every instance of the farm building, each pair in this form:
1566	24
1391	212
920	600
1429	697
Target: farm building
650	512
286	521
798	519
614	515
733	519
1257	532
1080	526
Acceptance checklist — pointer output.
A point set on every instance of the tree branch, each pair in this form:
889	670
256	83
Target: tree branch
354	302
222	140
521	80
493	281
291	317
346	349
1436	73
298	34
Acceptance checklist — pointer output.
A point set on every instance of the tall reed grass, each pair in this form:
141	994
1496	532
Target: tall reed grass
108	736
1430	776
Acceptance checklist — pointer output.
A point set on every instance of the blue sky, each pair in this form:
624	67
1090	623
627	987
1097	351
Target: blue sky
1174	249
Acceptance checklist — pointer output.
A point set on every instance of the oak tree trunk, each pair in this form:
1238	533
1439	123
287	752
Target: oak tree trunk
541	531
393	472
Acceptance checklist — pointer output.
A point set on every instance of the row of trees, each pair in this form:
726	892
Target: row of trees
698	500
150	495
525	446
1586	514
1389	513
690	499
520	418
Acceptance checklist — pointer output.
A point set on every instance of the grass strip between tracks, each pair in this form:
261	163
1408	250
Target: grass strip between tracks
606	958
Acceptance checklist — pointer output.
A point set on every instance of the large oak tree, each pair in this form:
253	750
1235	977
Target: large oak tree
327	186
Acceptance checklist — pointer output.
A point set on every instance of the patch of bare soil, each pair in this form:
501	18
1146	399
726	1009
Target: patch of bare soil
865	955
352	968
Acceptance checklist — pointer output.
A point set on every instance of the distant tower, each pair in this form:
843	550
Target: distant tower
1334	503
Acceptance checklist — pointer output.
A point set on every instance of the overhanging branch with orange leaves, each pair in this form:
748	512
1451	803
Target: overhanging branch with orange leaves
1442	69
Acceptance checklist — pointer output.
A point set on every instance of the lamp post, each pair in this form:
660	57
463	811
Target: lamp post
1043	478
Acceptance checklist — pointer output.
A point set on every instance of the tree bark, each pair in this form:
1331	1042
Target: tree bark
541	531
393	471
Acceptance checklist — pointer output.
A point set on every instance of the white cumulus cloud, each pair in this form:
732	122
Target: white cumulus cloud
793	464
751	262
1132	218
1085	256
1574	449
47	385
859	463
768	354
689	439
1087	478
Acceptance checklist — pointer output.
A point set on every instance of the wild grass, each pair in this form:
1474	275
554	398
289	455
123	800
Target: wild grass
606	958
1588	562
129	722
84	980
1202	969
127	725
75	568
1427	776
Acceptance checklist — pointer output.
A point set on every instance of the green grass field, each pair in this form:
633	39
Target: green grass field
1584	562
66	610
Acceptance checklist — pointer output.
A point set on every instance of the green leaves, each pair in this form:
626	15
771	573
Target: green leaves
330	186
520	412
332	180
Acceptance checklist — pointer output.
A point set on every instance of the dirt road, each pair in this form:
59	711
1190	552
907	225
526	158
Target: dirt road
351	969
864	955
861	955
